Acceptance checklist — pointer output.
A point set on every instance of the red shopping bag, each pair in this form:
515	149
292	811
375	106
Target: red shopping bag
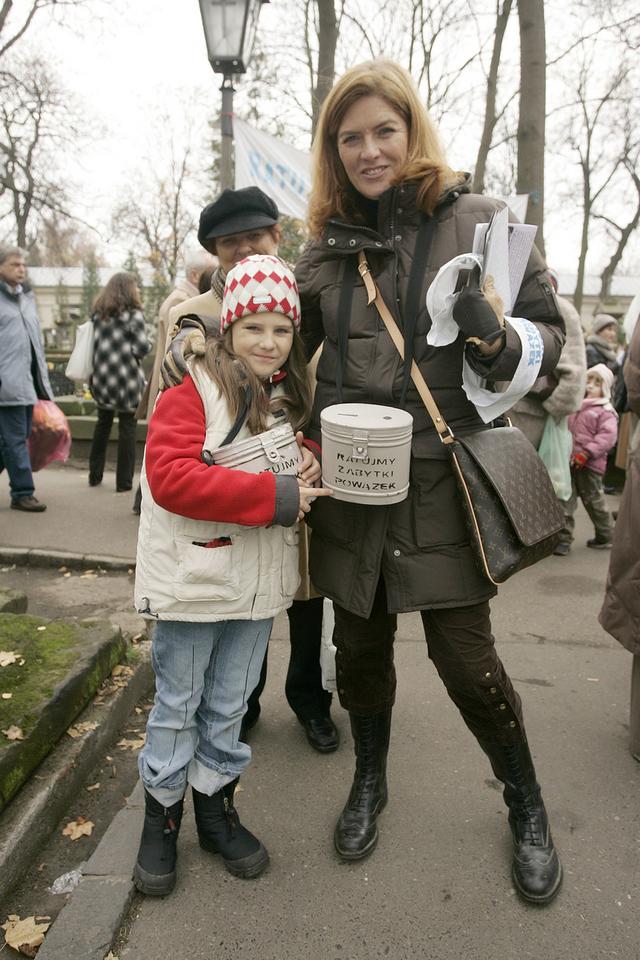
50	437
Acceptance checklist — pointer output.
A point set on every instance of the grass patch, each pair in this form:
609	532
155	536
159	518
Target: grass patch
48	656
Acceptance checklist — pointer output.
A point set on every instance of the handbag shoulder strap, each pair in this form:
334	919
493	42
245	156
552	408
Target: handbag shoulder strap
373	296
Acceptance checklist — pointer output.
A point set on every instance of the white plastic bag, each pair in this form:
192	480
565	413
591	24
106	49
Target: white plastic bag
555	453
327	649
80	362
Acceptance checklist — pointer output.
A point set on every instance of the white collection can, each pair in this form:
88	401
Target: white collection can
275	450
366	452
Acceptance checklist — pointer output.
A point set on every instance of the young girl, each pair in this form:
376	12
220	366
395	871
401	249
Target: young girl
117	382
217	560
594	428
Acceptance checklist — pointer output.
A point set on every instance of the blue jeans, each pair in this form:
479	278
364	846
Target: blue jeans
15	427
204	675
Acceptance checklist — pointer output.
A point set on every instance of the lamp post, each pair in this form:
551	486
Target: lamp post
229	29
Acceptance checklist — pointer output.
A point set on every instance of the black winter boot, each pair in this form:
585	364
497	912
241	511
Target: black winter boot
220	831
536	868
356	833
155	869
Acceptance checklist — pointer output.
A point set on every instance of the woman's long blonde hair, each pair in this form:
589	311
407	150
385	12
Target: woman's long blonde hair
236	380
332	195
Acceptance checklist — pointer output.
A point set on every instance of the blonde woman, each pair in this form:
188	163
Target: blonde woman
382	185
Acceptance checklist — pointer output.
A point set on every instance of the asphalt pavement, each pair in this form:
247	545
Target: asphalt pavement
80	520
438	886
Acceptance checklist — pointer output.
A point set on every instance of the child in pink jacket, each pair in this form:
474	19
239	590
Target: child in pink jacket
594	428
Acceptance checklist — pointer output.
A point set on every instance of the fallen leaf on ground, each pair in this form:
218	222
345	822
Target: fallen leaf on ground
78	729
111	956
78	828
131	744
93	786
62	569
7	657
121	671
7	696
88	576
67	574
13	733
25	935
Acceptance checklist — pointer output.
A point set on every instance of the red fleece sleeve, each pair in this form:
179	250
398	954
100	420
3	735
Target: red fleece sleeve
182	483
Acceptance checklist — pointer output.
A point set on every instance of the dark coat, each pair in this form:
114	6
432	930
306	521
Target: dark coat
420	545
620	613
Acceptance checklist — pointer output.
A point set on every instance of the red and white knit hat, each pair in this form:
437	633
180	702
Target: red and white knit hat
259	284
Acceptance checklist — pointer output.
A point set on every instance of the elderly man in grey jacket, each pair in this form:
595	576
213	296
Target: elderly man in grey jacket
23	377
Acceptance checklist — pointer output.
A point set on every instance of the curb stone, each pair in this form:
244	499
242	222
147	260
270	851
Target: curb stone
29	556
27	823
103	894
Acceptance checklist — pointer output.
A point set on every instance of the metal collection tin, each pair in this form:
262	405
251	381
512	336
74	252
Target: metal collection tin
366	452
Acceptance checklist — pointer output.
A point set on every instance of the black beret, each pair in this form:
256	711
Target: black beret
236	211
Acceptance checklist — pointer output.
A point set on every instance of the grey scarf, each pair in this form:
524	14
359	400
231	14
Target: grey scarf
610	351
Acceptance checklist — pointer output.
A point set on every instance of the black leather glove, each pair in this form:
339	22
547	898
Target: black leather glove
189	336
472	311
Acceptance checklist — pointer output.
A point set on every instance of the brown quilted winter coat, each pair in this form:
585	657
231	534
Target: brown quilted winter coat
420	545
620	614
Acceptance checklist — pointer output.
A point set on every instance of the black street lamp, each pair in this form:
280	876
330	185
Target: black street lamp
229	29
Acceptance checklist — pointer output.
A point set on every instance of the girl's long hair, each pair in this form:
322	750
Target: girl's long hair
233	376
332	195
119	295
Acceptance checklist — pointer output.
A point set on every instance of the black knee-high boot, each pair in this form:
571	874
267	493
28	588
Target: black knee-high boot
536	867
220	831
356	833
155	869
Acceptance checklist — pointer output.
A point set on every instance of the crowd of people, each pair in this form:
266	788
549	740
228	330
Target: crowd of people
245	344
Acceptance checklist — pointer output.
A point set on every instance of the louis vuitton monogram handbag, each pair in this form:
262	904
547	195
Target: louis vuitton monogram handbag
513	515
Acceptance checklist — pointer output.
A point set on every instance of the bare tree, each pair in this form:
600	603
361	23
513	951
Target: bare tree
597	159
155	220
503	11
61	242
12	29
38	124
327	30
624	234
531	118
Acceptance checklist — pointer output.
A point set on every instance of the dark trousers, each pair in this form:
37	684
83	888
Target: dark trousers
15	427
303	686
587	485
462	648
126	460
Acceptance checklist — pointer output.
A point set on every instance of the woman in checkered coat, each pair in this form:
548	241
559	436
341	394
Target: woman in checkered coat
117	382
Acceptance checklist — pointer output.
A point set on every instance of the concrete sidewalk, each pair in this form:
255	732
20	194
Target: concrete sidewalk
438	887
92	522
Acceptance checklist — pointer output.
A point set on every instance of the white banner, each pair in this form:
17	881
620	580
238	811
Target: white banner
283	172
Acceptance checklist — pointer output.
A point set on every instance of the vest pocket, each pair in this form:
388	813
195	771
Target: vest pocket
209	572
290	564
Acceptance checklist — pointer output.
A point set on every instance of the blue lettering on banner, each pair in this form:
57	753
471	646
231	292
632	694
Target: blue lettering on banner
534	343
285	177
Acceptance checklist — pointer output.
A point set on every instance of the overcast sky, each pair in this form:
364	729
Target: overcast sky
140	69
